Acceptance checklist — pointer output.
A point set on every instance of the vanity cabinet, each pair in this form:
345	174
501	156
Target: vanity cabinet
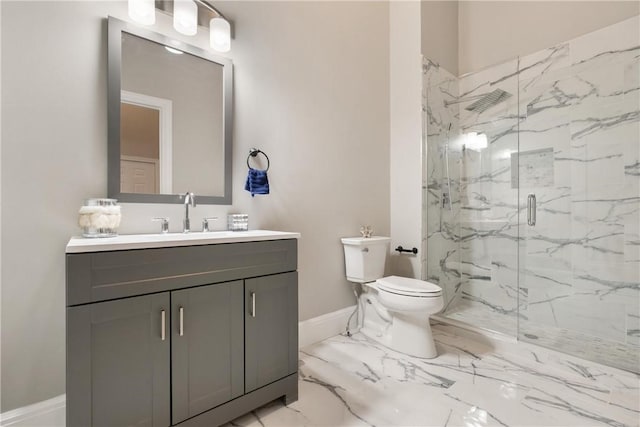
206	348
118	365
190	336
271	332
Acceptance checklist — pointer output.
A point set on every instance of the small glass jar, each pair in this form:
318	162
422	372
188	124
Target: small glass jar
238	222
99	218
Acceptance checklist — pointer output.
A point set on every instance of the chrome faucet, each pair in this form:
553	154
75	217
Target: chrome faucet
189	199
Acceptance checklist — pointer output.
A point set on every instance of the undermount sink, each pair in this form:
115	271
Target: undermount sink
143	241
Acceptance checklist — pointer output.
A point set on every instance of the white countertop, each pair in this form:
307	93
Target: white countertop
145	241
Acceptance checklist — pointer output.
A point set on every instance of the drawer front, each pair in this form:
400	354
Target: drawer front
99	276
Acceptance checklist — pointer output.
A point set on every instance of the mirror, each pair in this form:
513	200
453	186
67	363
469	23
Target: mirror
169	107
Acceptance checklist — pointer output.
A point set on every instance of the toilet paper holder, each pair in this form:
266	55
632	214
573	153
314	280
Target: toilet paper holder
401	250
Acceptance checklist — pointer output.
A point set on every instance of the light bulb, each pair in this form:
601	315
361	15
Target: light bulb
475	141
185	17
143	11
174	51
482	142
220	34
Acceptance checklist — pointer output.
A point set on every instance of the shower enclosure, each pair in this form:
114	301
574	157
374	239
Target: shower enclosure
532	195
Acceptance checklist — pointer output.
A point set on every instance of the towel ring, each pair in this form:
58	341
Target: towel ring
253	153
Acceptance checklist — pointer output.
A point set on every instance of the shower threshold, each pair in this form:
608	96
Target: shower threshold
617	355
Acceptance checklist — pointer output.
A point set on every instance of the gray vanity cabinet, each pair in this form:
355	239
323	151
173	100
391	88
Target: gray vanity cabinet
206	348
271	333
118	363
187	335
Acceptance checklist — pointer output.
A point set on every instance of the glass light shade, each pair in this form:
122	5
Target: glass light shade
220	34
185	17
143	11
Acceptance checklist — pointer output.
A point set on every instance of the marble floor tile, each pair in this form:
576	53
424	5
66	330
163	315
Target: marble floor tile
474	382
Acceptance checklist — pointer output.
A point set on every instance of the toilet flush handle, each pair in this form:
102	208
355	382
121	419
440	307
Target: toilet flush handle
365	249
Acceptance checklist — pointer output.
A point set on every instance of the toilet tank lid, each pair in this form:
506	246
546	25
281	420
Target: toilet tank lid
360	241
407	284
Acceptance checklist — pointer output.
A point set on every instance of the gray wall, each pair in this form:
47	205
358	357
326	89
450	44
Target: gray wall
466	36
439	32
0	209
492	32
314	97
405	137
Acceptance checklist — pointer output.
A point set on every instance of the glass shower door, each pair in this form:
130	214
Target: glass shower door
579	204
471	125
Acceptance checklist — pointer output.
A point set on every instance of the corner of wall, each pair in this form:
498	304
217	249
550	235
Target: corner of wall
0	202
405	89
439	23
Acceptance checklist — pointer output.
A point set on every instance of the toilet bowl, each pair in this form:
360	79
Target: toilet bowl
410	302
396	309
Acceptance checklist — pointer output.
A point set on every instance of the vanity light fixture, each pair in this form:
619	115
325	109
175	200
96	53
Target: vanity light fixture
220	34
142	11
187	15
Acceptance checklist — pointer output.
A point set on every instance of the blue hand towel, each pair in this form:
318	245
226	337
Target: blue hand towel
257	182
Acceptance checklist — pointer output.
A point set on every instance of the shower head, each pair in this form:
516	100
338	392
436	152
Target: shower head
489	100
483	102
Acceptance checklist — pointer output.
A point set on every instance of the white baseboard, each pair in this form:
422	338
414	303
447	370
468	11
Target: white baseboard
320	328
48	413
51	412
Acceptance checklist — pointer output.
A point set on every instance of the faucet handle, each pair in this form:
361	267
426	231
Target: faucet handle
205	223
164	223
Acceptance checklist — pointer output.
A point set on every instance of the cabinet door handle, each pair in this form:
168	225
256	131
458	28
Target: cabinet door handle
253	304
163	324
531	209
181	328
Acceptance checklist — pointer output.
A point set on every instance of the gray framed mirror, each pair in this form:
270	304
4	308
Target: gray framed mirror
170	119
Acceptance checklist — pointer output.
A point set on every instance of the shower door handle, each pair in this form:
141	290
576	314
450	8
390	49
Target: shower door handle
531	209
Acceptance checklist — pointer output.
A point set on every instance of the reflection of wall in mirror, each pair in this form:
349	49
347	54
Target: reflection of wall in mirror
194	85
139	131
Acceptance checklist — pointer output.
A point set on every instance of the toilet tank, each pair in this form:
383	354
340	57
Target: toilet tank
364	258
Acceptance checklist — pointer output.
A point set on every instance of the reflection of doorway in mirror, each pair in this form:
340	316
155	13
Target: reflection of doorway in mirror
139	175
146	144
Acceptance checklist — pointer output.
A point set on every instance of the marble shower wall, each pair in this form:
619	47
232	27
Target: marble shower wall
440	129
570	134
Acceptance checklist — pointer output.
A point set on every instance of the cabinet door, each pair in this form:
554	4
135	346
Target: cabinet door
118	363
207	353
271	329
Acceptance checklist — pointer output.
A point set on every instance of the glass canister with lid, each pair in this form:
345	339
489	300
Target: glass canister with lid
238	222
99	218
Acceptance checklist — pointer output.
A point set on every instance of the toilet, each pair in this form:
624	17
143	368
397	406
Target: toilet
394	310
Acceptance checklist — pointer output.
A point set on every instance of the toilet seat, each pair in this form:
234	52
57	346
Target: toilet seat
408	287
